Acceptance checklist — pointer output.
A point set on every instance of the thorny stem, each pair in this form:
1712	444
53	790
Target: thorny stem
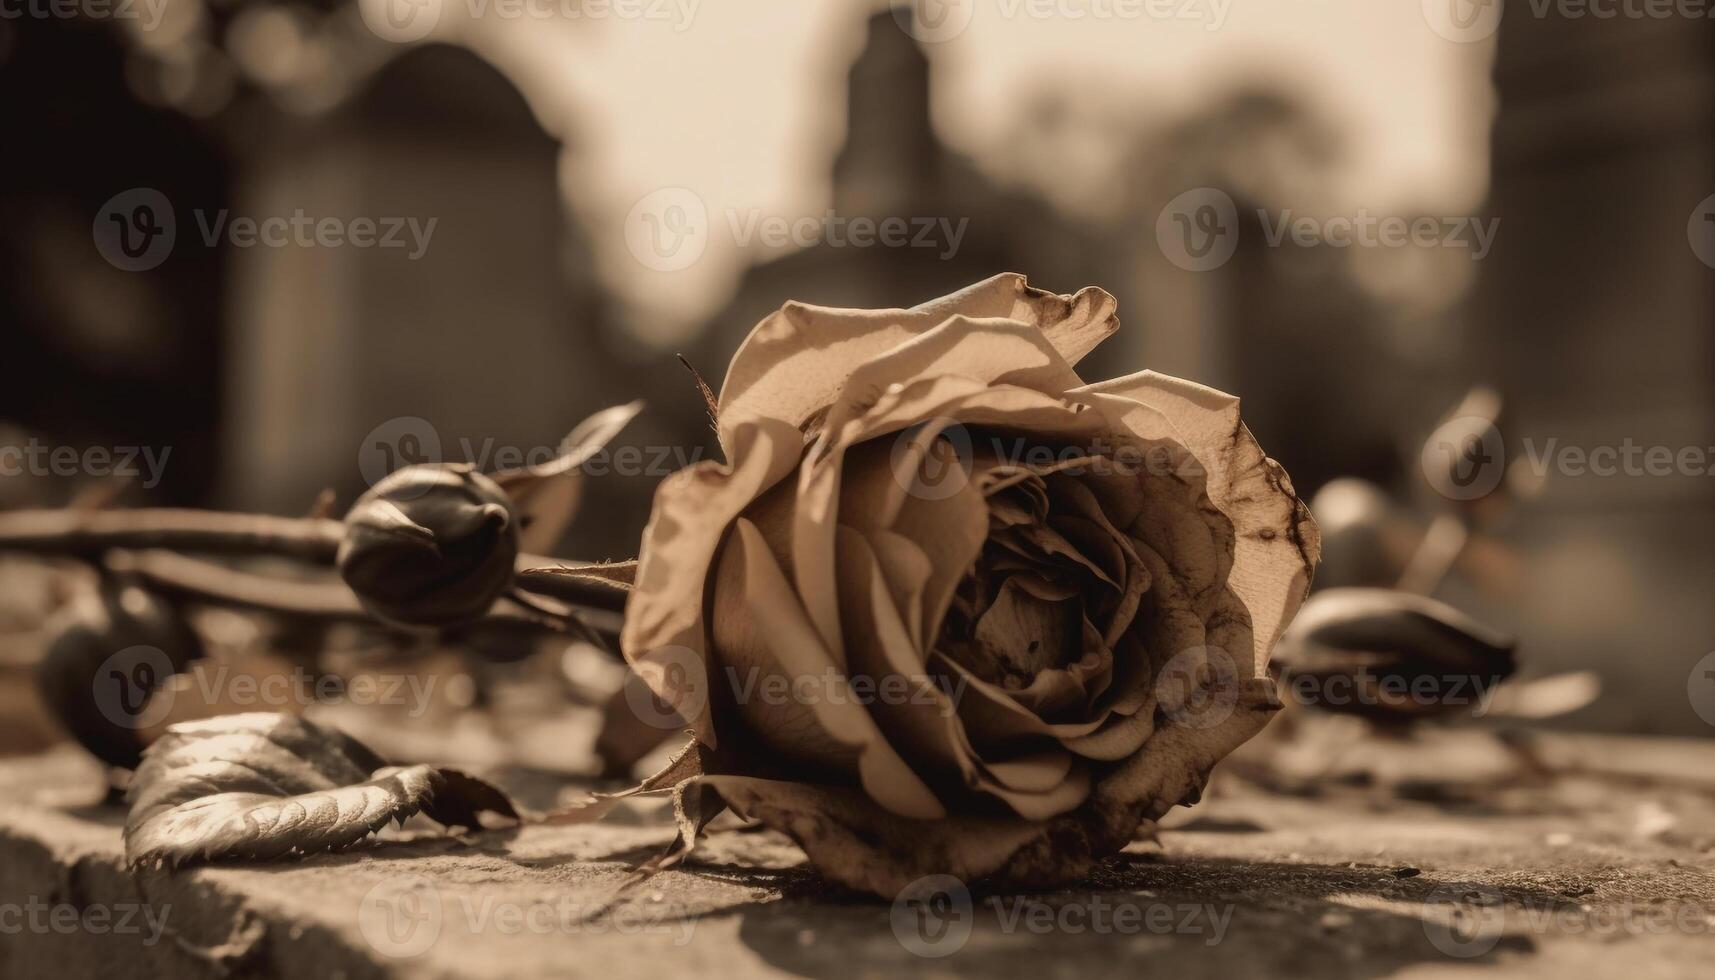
89	532
202	581
146	542
550	577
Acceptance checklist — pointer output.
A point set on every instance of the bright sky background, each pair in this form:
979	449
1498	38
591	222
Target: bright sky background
742	103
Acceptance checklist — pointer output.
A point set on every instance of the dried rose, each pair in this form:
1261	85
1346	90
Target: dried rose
430	545
949	610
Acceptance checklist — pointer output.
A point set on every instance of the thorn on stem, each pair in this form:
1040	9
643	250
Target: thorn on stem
708	394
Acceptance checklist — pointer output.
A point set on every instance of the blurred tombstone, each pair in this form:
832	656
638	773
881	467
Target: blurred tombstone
1593	315
1225	288
473	338
958	225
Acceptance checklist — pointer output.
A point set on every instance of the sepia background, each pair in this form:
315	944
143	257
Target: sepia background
1371	220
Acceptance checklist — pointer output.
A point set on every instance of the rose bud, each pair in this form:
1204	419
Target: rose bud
430	546
1390	656
947	609
110	653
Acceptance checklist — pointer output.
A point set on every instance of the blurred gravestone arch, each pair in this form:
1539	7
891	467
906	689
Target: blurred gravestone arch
484	327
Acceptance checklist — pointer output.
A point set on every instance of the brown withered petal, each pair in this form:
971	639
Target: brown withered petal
1072	589
1391	655
261	785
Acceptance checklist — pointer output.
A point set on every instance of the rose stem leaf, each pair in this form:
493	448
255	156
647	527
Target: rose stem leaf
547	494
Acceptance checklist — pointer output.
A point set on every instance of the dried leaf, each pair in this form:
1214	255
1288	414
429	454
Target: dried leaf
547	494
263	785
1391	655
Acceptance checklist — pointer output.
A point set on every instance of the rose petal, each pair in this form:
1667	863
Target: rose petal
795	362
992	351
1277	542
1173	769
1073	324
989	352
776	635
693	509
1037	786
858	844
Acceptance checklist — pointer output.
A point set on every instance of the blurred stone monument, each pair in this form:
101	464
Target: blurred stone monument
1593	319
893	167
474	339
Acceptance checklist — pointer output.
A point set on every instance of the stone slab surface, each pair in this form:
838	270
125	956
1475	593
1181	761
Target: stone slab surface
1607	870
